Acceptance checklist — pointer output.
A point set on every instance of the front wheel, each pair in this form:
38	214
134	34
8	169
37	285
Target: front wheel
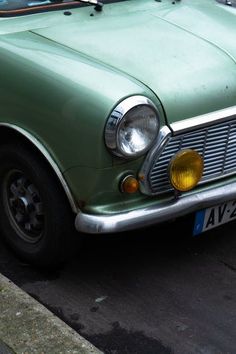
35	217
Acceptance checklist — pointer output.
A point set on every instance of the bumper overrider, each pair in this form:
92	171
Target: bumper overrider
143	217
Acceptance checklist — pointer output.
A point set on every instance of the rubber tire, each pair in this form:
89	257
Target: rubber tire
55	246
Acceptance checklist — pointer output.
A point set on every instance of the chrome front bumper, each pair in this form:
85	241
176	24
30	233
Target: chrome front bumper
186	204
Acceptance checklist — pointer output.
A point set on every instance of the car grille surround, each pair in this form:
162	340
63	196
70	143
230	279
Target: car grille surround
215	143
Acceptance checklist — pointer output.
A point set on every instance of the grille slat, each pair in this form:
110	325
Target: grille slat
218	145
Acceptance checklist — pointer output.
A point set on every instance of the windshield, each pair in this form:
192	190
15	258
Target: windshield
21	7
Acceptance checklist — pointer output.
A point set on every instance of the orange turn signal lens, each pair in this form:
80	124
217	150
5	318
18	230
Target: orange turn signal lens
129	184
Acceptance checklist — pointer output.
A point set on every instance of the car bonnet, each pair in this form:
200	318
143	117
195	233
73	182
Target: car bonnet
185	54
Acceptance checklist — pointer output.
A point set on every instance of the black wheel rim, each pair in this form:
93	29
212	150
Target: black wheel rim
24	206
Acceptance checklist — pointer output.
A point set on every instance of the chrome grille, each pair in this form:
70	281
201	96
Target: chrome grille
216	143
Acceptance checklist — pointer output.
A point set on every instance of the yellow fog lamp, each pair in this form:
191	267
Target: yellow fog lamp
185	170
129	184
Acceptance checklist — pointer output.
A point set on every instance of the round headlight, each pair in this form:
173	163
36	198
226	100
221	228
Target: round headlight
132	127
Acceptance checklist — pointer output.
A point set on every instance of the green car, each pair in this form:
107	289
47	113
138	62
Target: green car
114	116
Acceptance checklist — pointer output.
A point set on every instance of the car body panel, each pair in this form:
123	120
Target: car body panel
55	84
62	75
135	41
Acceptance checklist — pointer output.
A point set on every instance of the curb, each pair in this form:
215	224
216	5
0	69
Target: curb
27	327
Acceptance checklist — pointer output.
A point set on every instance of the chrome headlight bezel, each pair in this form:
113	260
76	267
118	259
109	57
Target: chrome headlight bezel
116	118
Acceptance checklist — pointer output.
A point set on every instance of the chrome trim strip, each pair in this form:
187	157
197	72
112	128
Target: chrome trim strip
164	133
48	157
203	120
96	224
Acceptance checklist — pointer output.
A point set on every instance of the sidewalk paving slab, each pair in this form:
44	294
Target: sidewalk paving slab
28	327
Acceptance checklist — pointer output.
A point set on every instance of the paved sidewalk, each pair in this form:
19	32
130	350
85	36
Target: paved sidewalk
27	327
4	349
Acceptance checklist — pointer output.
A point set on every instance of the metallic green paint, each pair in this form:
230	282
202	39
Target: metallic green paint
62	75
52	92
185	63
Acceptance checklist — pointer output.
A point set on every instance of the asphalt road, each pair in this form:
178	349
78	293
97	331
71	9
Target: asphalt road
144	292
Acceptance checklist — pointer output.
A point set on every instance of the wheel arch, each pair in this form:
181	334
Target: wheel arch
10	132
